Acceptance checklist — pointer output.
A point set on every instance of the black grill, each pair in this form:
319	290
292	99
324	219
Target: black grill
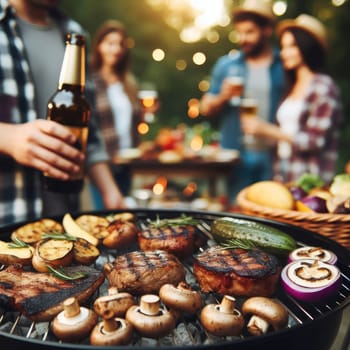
313	325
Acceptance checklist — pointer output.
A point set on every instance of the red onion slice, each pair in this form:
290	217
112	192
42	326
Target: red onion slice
305	290
310	252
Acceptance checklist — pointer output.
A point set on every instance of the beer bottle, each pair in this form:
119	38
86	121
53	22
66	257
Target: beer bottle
69	107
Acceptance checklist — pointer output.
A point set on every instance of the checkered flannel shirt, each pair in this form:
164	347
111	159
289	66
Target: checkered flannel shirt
20	187
315	147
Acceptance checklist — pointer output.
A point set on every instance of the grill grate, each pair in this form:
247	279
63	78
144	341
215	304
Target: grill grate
189	331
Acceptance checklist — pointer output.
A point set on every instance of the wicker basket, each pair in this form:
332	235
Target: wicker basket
333	226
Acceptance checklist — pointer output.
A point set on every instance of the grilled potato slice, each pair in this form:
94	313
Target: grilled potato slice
124	216
94	224
72	228
85	252
8	255
32	232
53	252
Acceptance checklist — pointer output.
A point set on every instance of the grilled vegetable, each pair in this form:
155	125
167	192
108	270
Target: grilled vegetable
14	253
33	231
85	252
94	224
246	234
52	252
71	227
310	280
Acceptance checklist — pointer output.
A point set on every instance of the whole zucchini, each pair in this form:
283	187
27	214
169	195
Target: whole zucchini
234	232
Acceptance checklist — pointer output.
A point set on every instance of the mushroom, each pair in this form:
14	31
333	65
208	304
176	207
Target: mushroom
149	318
181	298
74	323
222	319
111	331
115	304
266	312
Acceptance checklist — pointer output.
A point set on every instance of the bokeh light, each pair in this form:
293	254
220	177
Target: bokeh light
158	55
199	58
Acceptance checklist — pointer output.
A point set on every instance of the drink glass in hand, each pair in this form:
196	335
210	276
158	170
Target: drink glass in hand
148	100
248	109
236	83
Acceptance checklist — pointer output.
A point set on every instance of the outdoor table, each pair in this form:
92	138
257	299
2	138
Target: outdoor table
210	169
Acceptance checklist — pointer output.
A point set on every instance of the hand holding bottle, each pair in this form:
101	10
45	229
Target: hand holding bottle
46	146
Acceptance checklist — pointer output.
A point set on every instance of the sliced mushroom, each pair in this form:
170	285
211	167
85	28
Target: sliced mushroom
111	331
222	319
115	304
181	298
74	323
265	312
149	318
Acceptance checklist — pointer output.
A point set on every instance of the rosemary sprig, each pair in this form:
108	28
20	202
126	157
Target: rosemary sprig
183	220
59	236
17	243
239	243
63	275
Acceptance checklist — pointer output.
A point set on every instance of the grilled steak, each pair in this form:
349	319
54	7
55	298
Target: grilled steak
178	240
237	272
40	296
141	272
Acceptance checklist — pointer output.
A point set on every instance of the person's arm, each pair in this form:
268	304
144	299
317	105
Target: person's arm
212	104
41	144
259	127
101	175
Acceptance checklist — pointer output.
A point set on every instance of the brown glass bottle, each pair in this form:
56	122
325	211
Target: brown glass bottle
68	106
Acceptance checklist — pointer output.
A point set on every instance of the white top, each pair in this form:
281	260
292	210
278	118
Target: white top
288	115
122	113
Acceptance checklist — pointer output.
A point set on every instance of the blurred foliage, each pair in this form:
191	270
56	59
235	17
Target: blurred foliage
149	30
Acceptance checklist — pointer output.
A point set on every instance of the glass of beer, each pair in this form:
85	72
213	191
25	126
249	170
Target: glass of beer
236	83
248	109
148	100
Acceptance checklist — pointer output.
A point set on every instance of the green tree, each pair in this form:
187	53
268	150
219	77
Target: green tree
149	29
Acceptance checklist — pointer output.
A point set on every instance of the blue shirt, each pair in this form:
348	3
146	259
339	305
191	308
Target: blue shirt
230	128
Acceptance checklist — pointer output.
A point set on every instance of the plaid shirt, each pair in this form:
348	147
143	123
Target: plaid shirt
106	118
315	148
20	186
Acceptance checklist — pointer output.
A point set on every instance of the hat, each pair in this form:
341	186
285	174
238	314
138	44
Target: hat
260	8
307	23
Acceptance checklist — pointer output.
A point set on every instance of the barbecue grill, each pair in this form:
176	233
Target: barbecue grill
311	325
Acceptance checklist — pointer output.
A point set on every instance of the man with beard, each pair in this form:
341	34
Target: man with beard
258	65
32	36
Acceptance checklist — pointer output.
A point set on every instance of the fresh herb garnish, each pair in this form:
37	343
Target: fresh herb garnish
239	243
183	220
63	275
59	236
17	243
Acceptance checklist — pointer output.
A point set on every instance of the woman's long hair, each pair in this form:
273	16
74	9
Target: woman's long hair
122	66
312	52
111	26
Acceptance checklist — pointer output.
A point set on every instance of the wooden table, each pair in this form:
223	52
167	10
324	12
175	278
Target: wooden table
197	168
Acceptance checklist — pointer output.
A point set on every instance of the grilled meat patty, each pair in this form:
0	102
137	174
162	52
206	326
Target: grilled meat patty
237	272
40	296
141	272
179	240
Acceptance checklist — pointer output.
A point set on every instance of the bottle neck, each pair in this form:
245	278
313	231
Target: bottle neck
73	67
